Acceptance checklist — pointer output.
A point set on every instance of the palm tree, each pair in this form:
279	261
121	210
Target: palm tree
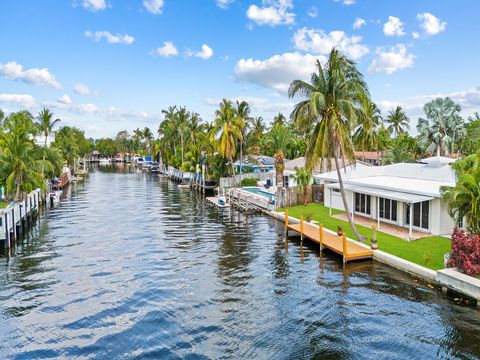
303	177
334	99
243	112
437	131
279	119
148	136
17	163
227	131
279	159
181	123
398	122
45	126
280	137
464	199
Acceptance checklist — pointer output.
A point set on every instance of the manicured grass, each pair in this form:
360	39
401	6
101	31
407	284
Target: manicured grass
3	204
426	252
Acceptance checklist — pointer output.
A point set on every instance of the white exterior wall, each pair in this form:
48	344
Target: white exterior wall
440	222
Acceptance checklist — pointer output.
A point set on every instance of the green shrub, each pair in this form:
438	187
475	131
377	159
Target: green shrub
249	182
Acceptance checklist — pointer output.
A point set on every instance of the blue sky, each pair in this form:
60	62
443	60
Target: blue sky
108	65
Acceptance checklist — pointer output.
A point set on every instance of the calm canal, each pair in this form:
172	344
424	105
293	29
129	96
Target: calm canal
131	267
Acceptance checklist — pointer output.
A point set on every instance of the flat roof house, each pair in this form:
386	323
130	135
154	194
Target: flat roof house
405	194
256	164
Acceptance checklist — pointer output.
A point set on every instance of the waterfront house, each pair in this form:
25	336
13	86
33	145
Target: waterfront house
255	164
290	165
406	194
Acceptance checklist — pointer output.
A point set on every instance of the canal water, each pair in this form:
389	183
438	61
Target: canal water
131	267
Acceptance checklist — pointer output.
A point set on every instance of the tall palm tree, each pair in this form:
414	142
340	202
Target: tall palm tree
45	124
441	123
243	112
181	120
279	119
334	98
398	122
148	136
227	131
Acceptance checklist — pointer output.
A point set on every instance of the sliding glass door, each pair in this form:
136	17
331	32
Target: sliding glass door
362	204
421	214
388	209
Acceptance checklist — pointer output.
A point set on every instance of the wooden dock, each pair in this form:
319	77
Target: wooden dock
349	250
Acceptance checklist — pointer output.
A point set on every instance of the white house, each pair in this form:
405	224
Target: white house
40	139
405	194
290	165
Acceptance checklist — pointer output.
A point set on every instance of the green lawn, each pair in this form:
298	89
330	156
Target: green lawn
426	252
3	204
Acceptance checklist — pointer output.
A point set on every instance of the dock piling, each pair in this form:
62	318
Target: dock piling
344	249
321	238
286	222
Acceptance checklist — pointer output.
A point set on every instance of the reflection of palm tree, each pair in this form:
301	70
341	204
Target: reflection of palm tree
334	99
398	122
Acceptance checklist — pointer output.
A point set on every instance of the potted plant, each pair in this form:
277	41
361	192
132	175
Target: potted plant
309	217
339	231
373	240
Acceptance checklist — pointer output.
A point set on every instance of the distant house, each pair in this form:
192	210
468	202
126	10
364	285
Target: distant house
370	157
255	164
404	194
320	167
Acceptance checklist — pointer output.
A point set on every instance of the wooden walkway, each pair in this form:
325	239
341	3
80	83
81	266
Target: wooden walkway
349	250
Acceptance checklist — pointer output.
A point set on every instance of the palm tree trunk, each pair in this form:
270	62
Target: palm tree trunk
305	189
233	173
241	160
345	203
44	149
181	140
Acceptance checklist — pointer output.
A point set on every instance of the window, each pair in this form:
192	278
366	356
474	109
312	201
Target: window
362	203
285	181
421	214
388	209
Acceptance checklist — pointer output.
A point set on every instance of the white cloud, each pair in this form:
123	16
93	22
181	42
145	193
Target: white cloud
14	71
394	59
346	2
320	42
257	104
110	38
224	4
313	12
154	6
22	100
278	71
272	13
359	22
393	27
430	24
94	5
168	49
205	53
64	99
415	35
82	89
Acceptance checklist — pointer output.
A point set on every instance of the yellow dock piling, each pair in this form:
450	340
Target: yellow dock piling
320	229
344	249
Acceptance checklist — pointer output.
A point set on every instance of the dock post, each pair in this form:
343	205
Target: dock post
321	238
286	222
344	249
301	228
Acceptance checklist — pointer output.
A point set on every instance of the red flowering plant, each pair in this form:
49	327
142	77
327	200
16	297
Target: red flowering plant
465	252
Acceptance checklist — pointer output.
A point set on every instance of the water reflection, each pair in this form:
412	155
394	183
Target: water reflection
128	266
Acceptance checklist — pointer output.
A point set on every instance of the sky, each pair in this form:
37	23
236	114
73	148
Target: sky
108	65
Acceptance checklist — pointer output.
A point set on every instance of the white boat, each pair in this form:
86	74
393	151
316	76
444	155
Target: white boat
105	161
54	197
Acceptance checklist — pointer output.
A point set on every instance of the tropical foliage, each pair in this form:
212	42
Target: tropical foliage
303	177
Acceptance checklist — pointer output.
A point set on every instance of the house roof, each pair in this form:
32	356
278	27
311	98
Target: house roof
369	155
413	178
394	195
257	160
320	167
